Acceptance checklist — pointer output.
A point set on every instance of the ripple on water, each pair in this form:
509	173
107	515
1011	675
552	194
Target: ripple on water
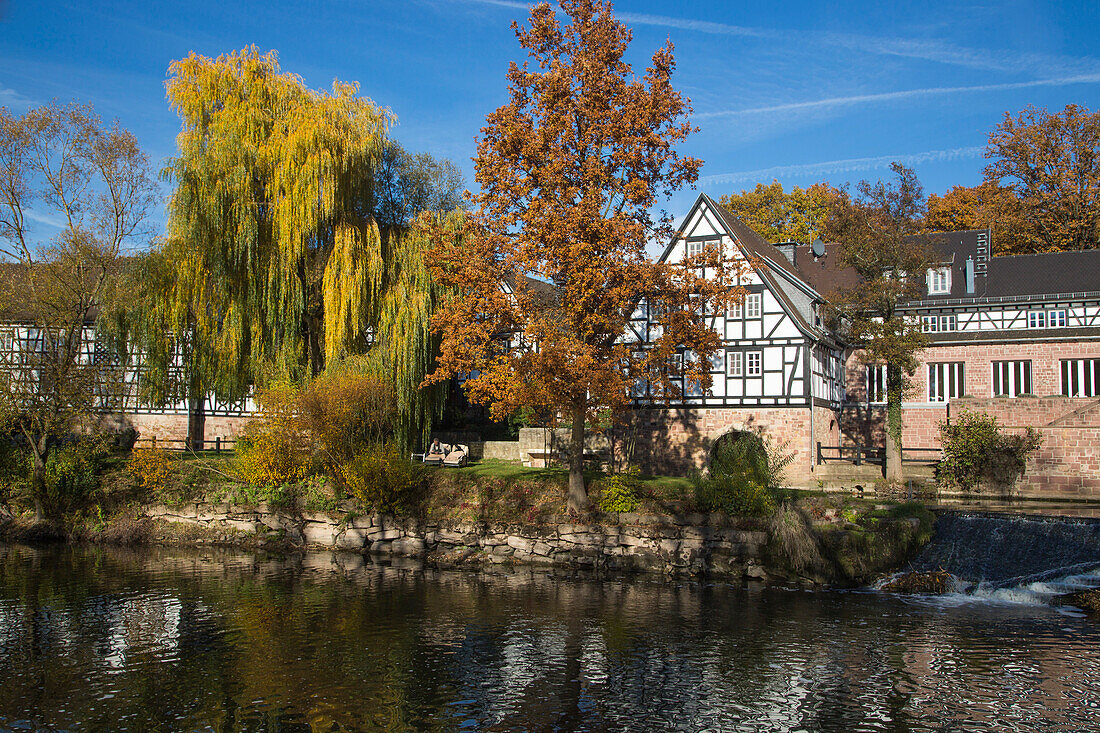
102	639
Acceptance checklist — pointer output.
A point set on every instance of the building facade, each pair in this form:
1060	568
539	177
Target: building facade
1001	331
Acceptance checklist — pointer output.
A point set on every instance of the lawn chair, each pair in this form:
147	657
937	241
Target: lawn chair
436	459
458	456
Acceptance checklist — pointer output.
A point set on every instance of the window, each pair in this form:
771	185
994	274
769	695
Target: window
733	363
1081	377
1056	319
1037	319
946	381
876	383
716	364
694	249
935	324
1011	378
734	311
754	364
638	389
752	305
939	281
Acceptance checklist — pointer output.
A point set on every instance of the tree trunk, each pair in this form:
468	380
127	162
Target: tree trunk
578	496
895	386
38	479
196	422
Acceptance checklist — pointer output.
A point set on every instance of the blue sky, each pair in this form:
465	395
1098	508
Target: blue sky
798	91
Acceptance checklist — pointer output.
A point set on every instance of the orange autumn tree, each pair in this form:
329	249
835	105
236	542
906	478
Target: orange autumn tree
570	170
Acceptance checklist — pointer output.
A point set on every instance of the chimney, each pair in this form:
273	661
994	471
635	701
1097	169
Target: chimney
788	250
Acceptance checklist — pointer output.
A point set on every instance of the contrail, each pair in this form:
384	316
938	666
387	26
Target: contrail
905	94
841	166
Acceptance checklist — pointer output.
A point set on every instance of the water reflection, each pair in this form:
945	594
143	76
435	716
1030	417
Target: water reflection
155	639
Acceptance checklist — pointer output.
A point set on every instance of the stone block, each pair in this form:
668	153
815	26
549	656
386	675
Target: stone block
243	525
409	546
353	538
316	533
520	543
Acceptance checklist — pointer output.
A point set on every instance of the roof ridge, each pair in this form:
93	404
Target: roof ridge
1047	254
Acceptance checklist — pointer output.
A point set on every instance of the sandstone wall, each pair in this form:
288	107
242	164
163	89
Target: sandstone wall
687	545
1067	466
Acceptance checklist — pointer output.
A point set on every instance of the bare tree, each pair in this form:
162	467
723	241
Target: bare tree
59	164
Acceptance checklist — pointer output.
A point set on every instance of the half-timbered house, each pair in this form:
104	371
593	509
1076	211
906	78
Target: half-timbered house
779	370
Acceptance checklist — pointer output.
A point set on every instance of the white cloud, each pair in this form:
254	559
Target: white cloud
847	165
13	99
924	49
855	99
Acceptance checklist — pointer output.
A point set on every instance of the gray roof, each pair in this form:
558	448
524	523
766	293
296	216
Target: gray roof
1041	275
1044	274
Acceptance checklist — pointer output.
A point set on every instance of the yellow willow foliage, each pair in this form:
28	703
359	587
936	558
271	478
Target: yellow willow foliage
271	180
352	286
405	348
274	265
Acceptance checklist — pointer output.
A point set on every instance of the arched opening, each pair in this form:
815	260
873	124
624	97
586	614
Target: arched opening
740	452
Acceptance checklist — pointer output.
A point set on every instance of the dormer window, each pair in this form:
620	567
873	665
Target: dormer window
939	281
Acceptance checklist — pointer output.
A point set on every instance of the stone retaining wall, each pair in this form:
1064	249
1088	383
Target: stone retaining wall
688	545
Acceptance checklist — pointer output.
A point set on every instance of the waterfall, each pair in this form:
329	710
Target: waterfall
1015	558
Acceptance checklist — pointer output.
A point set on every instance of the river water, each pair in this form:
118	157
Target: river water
154	639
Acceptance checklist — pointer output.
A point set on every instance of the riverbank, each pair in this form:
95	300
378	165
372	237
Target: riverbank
805	542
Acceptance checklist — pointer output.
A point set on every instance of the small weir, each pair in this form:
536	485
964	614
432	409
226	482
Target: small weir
1021	558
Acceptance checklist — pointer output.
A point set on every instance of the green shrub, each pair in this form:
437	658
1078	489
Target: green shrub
745	475
72	474
386	480
619	493
736	495
976	451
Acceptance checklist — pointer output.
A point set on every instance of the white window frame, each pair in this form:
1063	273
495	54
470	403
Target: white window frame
1057	318
1036	319
734	363
946	380
753	305
751	369
735	312
939	281
875	379
929	324
1011	378
1080	377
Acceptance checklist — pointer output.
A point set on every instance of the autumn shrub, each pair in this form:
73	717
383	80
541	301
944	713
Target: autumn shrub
745	476
72	474
385	480
346	412
619	492
150	467
977	451
273	449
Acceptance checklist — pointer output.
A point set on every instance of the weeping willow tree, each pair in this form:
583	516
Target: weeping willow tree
274	264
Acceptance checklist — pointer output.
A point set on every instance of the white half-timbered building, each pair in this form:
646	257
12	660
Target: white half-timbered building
778	370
